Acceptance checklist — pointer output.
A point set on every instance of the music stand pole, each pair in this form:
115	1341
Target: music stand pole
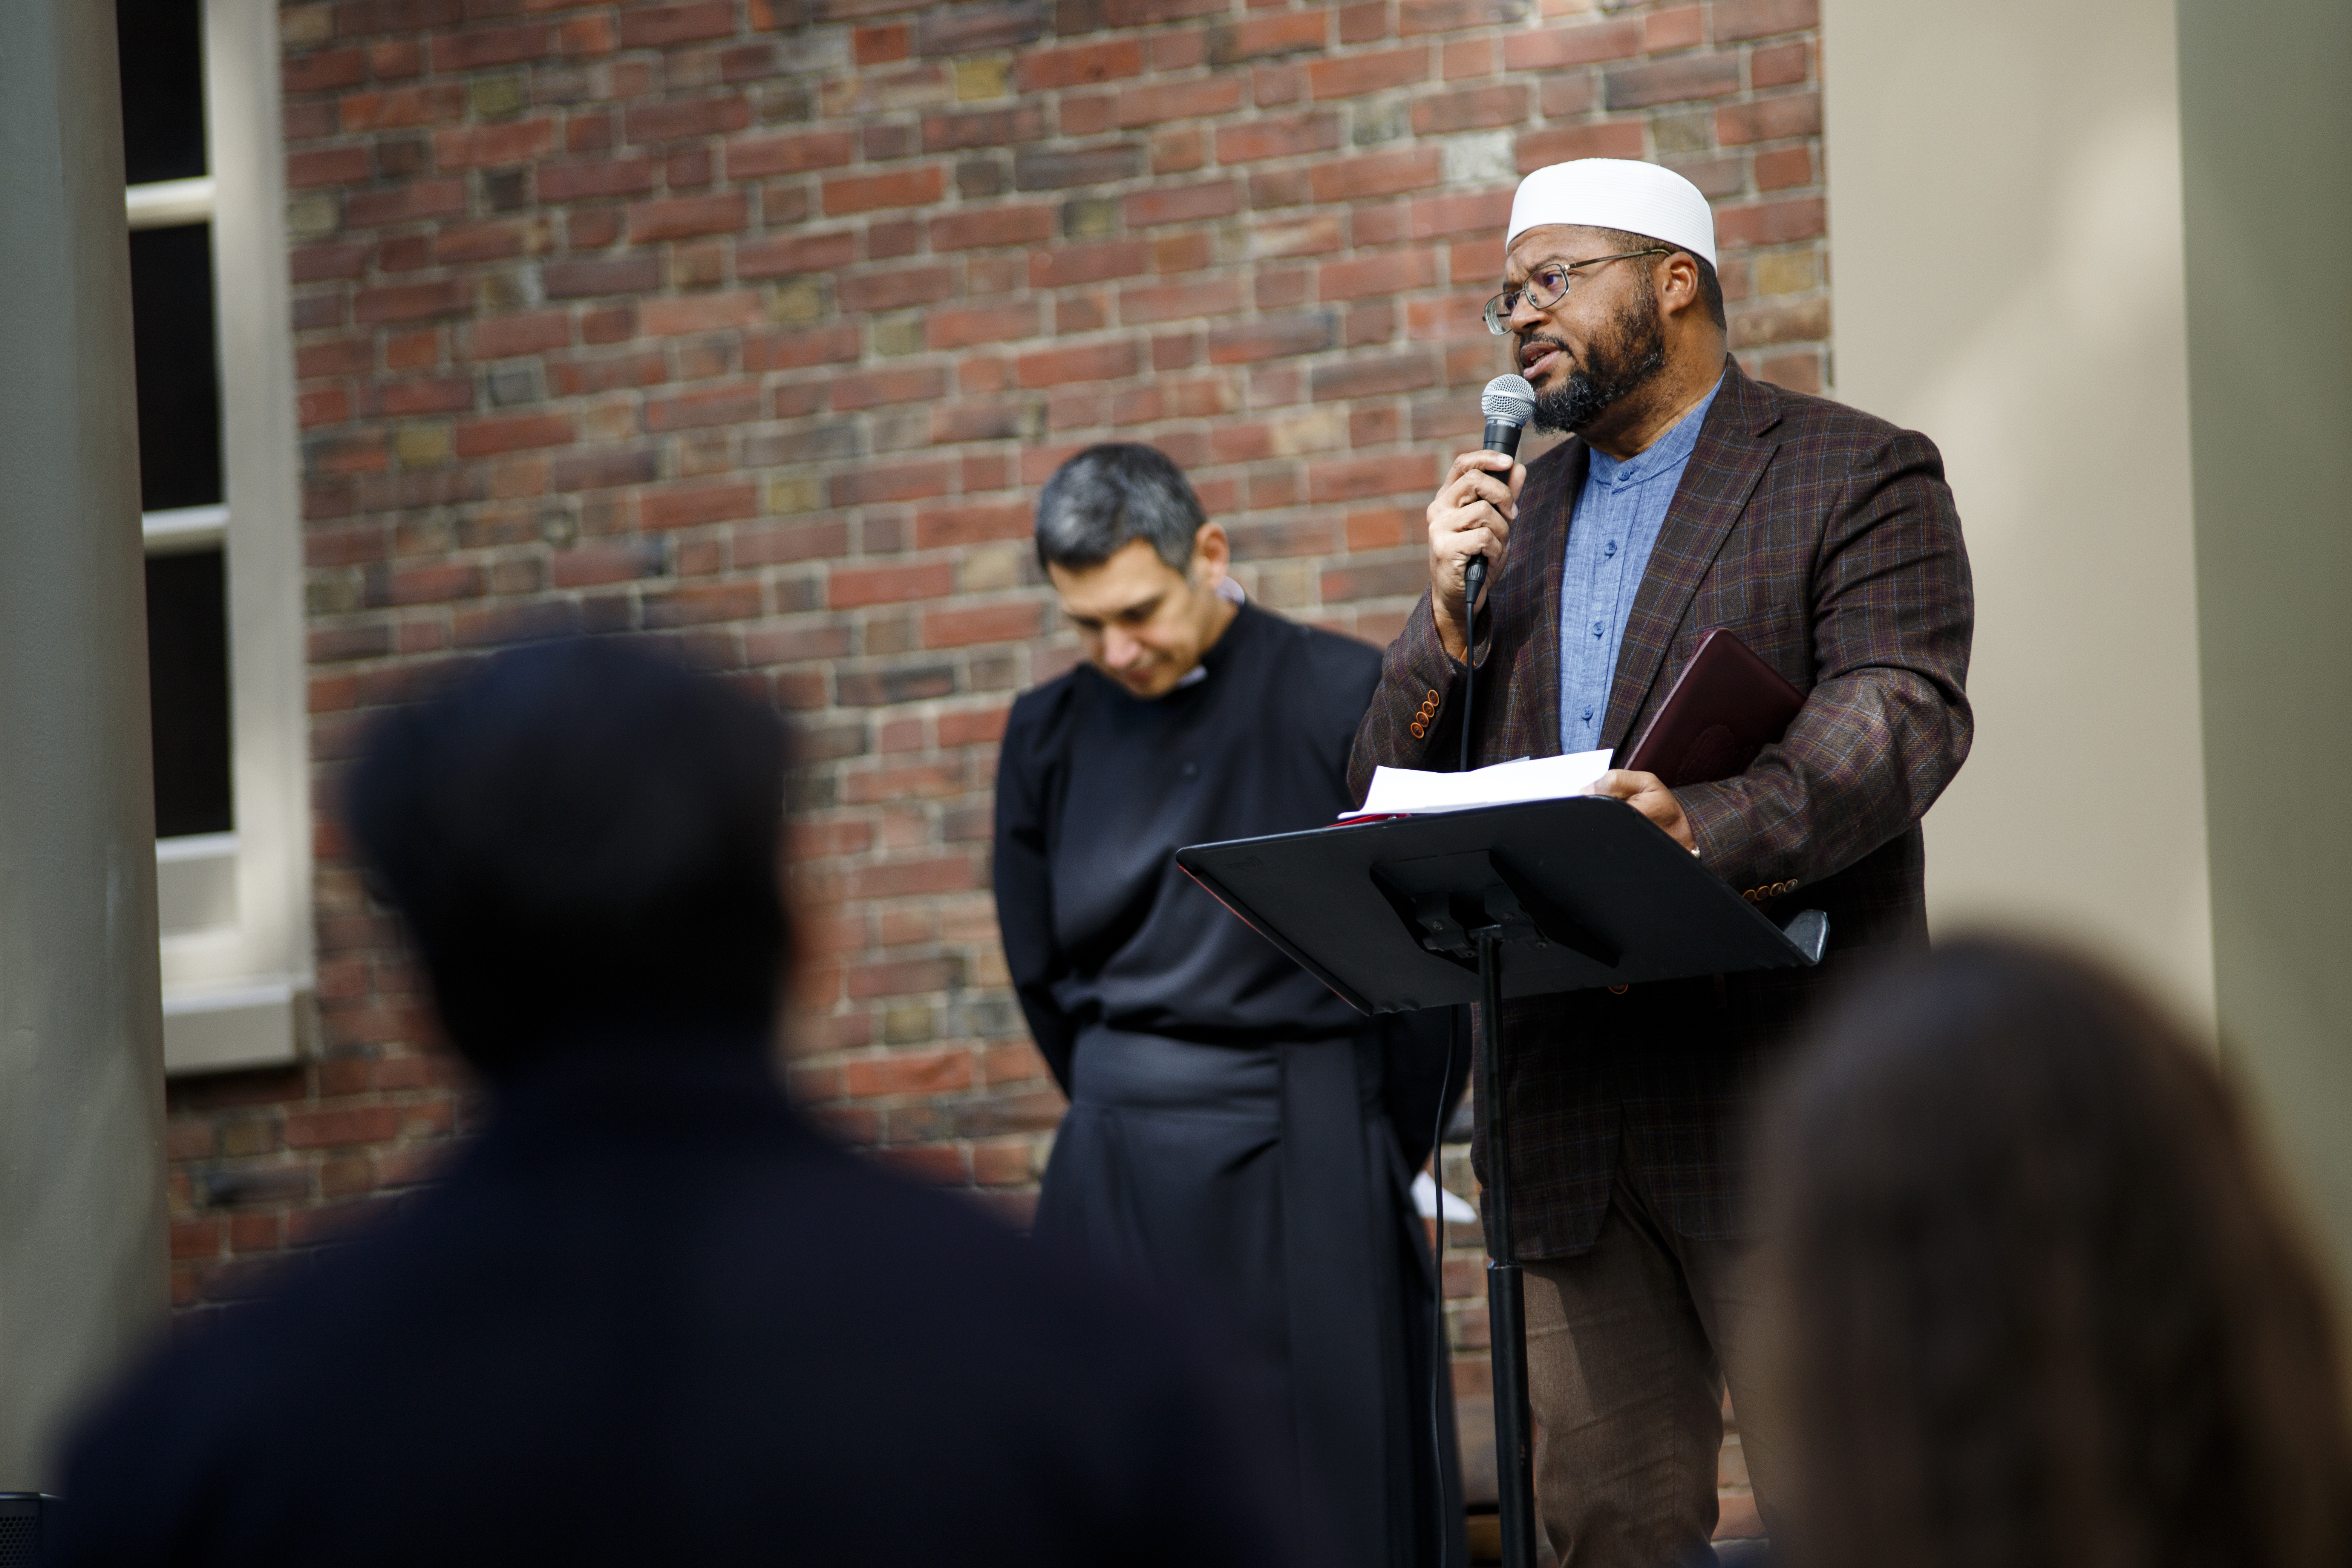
1505	1295
1418	912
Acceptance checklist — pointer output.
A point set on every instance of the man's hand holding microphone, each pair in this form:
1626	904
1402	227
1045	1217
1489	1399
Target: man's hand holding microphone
1470	517
1469	528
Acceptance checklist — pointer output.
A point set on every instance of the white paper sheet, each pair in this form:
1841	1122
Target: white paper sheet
1410	791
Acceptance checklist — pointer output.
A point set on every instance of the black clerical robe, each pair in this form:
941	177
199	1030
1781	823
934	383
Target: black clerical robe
1237	1133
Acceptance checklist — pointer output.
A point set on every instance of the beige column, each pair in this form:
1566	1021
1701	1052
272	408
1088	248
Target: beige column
2005	234
2266	124
83	1265
2096	251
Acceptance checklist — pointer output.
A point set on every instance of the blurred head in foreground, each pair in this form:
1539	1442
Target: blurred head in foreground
585	841
648	1315
2043	1304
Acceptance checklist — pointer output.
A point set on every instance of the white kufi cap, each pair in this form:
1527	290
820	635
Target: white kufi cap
1616	193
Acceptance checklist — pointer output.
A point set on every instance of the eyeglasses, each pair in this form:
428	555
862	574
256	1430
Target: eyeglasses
1549	287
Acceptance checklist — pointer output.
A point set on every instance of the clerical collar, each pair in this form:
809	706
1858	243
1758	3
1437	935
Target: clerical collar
1231	593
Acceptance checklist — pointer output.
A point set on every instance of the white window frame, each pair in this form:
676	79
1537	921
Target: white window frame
239	971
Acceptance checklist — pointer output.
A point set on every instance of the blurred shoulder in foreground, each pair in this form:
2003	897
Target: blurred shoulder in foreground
651	1315
2042	1301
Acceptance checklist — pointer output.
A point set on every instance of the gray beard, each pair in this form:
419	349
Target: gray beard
1636	352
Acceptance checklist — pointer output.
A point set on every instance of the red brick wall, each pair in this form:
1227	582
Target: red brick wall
755	326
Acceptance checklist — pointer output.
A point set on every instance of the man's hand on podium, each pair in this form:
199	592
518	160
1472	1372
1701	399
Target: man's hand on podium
1648	794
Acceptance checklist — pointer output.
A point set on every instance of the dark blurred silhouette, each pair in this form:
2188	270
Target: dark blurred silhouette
651	1316
2041	1303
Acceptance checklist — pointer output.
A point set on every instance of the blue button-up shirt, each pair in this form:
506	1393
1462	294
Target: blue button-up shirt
1616	521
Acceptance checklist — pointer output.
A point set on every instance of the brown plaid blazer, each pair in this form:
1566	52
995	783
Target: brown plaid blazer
1828	541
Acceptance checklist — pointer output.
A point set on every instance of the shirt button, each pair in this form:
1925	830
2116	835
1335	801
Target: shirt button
1587	715
1596	629
1609	549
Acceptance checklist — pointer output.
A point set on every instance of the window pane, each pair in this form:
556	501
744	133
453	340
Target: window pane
179	386
160	45
187	678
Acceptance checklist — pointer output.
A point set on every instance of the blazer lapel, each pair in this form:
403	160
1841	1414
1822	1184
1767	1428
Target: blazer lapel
1554	511
1730	456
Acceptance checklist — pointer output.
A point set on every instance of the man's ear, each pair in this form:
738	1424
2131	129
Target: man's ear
1213	554
1678	290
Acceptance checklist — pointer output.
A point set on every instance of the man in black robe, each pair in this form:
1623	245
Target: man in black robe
1237	1133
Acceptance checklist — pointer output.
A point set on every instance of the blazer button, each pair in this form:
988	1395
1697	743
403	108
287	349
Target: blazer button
1433	695
1417	732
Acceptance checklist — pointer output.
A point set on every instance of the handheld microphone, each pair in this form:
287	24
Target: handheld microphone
1507	403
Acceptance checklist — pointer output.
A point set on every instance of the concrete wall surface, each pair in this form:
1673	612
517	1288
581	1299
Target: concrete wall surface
2266	128
2093	251
83	1268
2006	214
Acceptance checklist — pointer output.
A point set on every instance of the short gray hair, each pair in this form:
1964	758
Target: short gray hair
1109	496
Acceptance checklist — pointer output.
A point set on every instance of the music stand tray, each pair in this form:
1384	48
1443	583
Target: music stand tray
1403	914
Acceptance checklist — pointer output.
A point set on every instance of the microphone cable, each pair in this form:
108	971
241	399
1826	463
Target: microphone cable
1473	579
1441	1350
1505	402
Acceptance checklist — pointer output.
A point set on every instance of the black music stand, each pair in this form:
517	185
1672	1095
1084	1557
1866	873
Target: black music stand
1476	906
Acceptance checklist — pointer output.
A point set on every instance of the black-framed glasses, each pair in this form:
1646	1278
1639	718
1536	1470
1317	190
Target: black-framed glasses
1548	286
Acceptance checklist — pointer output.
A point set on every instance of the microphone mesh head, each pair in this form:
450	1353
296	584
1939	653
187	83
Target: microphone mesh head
1508	400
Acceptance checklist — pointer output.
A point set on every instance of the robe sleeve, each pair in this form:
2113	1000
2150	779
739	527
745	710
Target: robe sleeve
1024	886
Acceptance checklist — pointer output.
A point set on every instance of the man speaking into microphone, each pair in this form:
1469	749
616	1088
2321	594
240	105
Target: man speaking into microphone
1688	498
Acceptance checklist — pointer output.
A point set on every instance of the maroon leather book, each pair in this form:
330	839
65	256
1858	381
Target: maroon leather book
1726	705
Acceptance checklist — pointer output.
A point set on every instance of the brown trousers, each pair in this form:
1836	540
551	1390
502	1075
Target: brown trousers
1629	1346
